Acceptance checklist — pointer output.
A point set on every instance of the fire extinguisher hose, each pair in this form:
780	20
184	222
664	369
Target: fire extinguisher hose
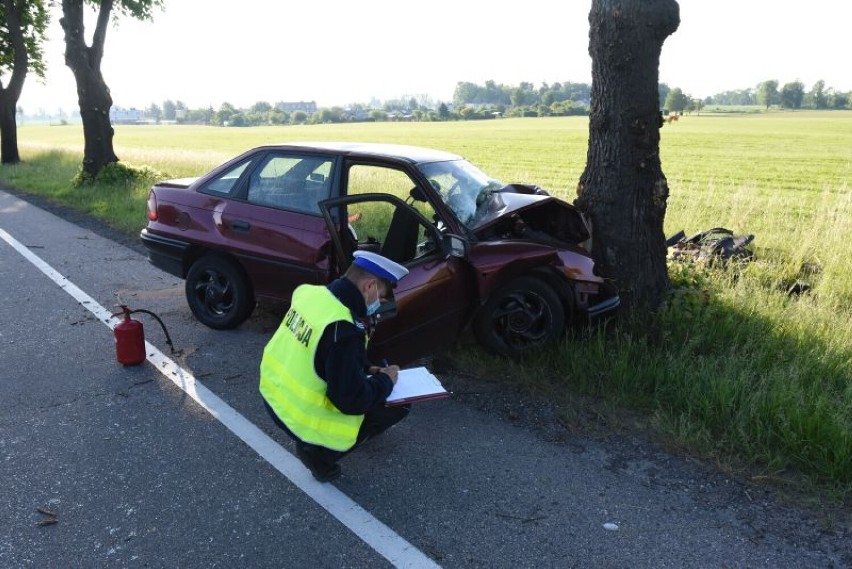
166	332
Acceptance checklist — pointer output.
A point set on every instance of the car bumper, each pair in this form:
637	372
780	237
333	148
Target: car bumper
608	301
605	307
165	253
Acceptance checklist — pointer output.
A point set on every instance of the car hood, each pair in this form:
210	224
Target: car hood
542	218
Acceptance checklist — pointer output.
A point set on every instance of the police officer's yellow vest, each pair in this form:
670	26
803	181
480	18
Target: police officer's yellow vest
288	378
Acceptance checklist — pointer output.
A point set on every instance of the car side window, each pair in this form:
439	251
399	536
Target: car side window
224	185
384	227
291	182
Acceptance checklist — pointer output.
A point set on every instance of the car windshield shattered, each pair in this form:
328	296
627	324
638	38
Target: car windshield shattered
461	185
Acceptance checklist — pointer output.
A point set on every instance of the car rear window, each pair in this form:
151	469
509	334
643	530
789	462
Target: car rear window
291	182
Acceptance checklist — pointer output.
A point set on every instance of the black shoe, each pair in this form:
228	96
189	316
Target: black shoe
322	470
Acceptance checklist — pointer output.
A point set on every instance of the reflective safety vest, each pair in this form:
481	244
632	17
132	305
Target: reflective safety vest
288	378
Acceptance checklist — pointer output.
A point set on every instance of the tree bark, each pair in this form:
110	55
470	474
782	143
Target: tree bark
93	94
8	131
623	190
9	96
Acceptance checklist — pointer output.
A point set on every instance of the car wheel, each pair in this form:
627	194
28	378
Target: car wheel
218	292
521	316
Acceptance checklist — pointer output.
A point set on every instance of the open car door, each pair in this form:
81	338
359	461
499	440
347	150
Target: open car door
432	301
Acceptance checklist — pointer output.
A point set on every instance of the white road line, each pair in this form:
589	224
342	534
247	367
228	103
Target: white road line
374	533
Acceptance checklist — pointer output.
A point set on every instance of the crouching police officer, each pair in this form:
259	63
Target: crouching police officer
315	378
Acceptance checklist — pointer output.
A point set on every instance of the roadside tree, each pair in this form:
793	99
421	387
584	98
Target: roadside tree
623	190
22	34
85	62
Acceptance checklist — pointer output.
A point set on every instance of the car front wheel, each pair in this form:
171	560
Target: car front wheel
519	317
218	292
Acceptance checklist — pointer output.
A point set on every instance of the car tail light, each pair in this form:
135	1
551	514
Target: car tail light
152	207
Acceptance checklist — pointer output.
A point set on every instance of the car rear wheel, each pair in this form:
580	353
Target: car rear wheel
218	292
519	317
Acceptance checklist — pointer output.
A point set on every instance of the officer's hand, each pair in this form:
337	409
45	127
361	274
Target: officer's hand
392	372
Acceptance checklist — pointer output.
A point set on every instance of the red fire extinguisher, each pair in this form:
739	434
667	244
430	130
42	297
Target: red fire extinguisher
130	337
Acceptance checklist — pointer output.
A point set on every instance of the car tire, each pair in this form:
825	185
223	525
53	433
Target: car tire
218	292
519	317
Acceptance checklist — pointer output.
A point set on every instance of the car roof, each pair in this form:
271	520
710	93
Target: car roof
411	154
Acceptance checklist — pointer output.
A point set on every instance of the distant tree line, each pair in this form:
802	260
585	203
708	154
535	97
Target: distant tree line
492	100
766	94
470	102
478	102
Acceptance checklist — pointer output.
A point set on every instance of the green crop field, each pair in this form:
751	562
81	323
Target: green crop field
735	368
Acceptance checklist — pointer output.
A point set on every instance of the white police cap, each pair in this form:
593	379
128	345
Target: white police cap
379	266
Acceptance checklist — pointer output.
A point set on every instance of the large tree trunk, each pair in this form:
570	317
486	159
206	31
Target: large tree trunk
9	95
623	189
95	102
8	130
92	91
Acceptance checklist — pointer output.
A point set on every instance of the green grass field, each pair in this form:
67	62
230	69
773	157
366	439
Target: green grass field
736	369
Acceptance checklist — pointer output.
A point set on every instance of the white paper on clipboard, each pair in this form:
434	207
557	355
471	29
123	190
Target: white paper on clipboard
416	384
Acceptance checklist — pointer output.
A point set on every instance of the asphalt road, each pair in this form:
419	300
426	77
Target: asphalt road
142	473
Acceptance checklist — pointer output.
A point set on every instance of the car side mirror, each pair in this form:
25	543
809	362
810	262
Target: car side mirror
456	246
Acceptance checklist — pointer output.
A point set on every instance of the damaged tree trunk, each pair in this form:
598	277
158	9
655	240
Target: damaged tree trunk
623	190
92	92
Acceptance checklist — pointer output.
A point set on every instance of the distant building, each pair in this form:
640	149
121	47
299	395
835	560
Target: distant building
119	115
306	106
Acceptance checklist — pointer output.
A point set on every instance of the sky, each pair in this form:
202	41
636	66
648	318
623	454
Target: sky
337	52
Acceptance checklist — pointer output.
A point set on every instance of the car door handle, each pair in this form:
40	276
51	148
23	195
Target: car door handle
241	226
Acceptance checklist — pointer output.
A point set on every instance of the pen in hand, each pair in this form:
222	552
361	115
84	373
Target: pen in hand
390	371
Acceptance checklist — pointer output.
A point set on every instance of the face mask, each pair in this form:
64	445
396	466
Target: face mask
374	306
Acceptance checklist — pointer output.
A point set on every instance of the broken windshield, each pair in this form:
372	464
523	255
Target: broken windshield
461	185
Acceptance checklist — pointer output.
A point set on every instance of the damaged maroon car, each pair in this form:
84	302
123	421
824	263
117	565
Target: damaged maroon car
505	261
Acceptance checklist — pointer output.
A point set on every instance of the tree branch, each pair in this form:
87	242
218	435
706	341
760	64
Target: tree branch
72	25
21	59
99	36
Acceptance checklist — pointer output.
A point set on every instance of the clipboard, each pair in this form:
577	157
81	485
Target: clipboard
416	384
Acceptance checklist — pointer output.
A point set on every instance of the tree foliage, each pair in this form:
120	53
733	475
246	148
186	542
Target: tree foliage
676	101
792	95
525	94
30	19
169	110
817	96
767	93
